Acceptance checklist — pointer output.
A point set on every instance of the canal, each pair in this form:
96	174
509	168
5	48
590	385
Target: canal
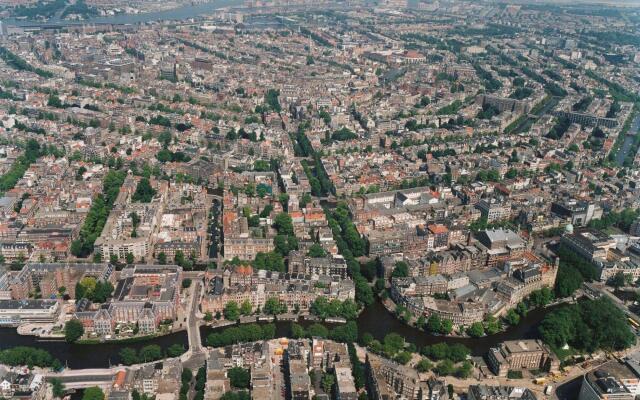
179	13
627	145
85	355
379	322
375	320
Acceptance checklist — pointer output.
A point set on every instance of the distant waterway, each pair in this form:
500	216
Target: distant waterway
628	140
184	12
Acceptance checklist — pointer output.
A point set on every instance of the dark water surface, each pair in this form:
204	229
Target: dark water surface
85	355
379	322
375	320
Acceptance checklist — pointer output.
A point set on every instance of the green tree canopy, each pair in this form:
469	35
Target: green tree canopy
144	192
231	311
73	330
239	377
93	393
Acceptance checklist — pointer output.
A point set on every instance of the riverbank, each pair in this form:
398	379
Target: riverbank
39	331
263	318
136	339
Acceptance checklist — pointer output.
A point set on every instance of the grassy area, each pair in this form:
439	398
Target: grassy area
563	354
612	230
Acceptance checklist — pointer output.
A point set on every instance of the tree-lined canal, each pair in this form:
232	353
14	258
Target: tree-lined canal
375	320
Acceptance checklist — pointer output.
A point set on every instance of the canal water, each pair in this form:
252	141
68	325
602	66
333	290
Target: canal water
628	140
85	355
379	322
180	13
375	320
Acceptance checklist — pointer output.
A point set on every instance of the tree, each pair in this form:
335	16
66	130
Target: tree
476	330
241	395
401	270
93	393
175	350
73	330
512	317
102	292
54	101
304	200
392	344
29	356
349	310
179	258
522	309
274	306
379	285
445	367
587	326
347	333
464	371
186	283
434	325
162	258
231	311
129	258
246	308
540	298
424	365
151	352
283	224
447	326
403	357
317	330
239	377
94	290
297	331
271	261
284	244
144	192
128	356
491	325
366	339
316	251
617	281
327	381
57	387
208	317
266	211
186	376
